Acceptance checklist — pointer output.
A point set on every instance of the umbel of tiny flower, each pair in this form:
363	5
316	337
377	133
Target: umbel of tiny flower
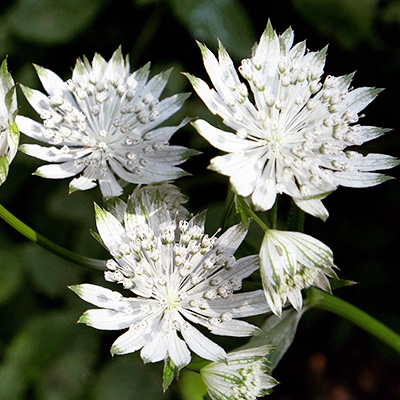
103	124
9	134
245	375
293	138
290	262
177	276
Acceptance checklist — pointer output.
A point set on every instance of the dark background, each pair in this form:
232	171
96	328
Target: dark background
43	353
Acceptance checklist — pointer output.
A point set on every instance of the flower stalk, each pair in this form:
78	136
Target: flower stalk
325	301
60	251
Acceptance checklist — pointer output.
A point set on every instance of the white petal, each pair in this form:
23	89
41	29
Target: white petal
264	194
109	186
82	183
220	139
110	229
359	180
53	154
99	296
155	349
178	351
239	305
58	171
374	162
132	340
313	207
201	345
32	128
107	319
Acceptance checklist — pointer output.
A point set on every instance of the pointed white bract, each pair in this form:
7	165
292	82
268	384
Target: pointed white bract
290	262
9	134
293	138
103	124
245	375
166	193
177	276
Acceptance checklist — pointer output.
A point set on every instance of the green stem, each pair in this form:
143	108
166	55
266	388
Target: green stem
274	214
326	301
48	244
250	213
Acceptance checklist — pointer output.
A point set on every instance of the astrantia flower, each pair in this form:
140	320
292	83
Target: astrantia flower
293	139
243	377
290	262
104	123
9	134
178	276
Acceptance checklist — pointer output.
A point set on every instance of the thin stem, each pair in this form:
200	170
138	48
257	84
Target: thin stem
274	214
35	237
326	301
250	213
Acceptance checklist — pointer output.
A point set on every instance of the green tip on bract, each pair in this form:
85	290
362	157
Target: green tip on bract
41	71
83	319
117	55
4	167
269	31
76	289
204	49
192	79
28	92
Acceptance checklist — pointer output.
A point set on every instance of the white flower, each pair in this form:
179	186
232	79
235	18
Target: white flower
290	262
293	139
9	134
178	276
104	123
243	377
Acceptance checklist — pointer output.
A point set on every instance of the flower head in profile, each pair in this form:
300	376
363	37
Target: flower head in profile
103	124
293	138
245	375
177	276
9	134
290	262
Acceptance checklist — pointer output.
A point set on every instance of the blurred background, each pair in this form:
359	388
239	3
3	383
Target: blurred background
44	355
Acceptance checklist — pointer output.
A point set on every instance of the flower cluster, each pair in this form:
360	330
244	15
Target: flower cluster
9	134
179	276
290	262
104	122
289	133
245	375
293	140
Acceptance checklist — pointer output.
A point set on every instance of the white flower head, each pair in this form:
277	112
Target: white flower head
290	262
9	134
178	276
245	375
292	139
102	124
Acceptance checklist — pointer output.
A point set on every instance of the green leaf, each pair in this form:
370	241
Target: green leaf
169	374
49	22
209	20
